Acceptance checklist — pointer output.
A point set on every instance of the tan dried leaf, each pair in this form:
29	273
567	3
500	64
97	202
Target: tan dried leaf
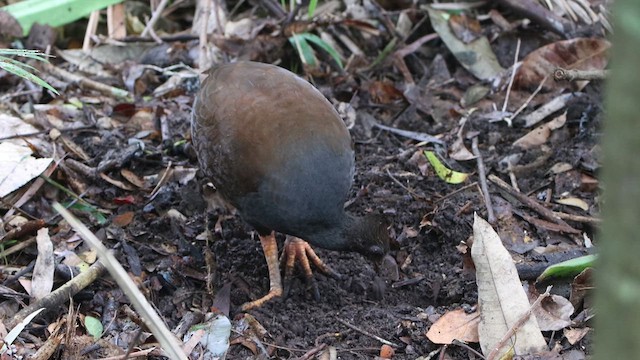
456	324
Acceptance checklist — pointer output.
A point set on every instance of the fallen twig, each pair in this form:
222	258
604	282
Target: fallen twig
419	136
513	76
469	348
509	119
87	83
456	191
364	332
536	12
404	187
578	218
156	15
311	353
482	174
546	213
61	295
577	75
547	109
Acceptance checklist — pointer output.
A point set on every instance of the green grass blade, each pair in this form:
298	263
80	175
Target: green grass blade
31	54
16	63
312	7
315	39
20	71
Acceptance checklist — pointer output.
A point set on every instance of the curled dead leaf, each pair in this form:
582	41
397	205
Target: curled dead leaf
579	53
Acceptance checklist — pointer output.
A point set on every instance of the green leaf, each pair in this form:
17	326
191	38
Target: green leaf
94	326
19	70
91	210
385	52
304	50
568	268
315	39
312	7
53	13
444	173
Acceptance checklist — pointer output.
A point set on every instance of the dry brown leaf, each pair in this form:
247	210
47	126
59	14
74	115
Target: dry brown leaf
123	219
383	92
579	54
540	135
458	150
115	182
71	146
575	202
581	285
143	120
561	167
575	335
501	299
134	179
588	183
456	324
554	313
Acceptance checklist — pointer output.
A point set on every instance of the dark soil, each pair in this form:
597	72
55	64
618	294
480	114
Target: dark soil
429	220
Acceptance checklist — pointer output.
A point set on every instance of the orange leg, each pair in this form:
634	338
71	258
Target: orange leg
298	249
270	248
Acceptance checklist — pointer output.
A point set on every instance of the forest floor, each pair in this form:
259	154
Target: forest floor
189	254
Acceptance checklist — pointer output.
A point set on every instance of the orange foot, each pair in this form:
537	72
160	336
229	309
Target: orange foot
270	248
300	250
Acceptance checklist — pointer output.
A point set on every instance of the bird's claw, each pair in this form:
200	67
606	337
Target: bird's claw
300	250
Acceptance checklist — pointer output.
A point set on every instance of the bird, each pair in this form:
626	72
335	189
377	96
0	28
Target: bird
277	150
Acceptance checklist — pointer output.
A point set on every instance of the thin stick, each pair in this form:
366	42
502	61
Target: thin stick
509	119
546	213
154	18
576	75
482	174
309	354
404	187
86	82
61	295
364	332
578	218
457	191
513	76
204	57
460	343
116	27
414	46
92	26
517	325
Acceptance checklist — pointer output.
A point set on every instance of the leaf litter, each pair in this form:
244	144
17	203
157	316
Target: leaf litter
413	74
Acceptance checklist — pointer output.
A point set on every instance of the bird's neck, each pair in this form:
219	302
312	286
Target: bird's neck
338	238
